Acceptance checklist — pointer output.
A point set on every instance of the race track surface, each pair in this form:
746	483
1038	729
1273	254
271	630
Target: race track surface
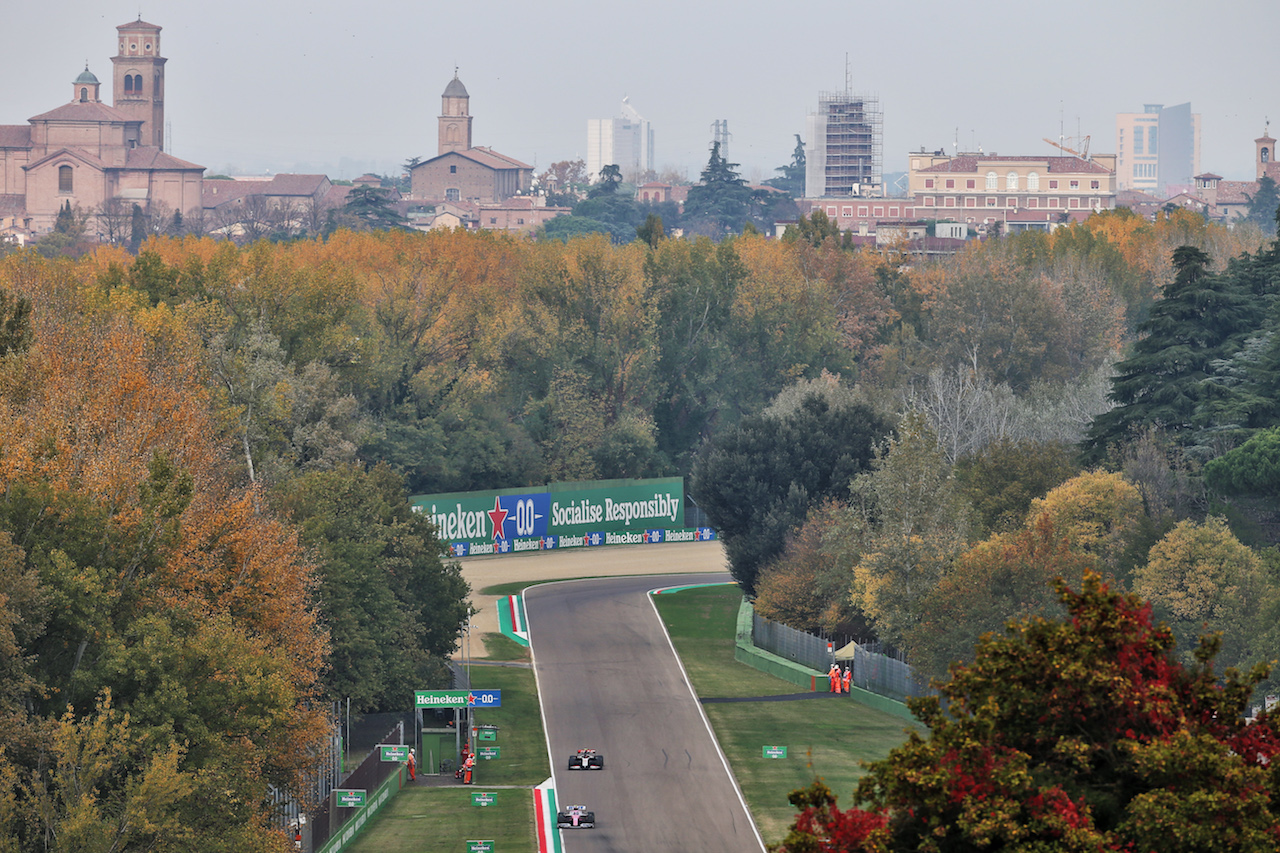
609	679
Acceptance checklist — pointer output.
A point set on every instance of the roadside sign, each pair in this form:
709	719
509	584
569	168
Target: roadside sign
487	734
350	799
487	752
479	847
394	752
775	752
479	799
457	698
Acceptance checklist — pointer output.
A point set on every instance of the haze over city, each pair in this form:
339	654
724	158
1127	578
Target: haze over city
348	88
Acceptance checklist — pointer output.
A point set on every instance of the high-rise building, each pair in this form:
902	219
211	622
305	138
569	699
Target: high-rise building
625	142
1158	150
843	154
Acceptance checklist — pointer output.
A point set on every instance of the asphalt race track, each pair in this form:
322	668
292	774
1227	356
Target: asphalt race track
609	679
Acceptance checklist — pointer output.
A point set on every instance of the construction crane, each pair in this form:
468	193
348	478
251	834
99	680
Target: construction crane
1083	155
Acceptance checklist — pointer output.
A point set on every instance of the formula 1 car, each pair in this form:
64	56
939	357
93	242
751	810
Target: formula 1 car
586	759
575	817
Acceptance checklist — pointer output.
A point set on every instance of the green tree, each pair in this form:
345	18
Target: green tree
1162	382
1079	734
791	177
393	609
908	523
1253	468
1000	480
720	202
756	481
367	208
610	180
1264	205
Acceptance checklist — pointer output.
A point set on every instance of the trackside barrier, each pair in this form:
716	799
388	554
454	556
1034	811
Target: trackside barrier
746	651
352	828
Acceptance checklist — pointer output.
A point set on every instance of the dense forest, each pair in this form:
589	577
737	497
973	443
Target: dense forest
206	452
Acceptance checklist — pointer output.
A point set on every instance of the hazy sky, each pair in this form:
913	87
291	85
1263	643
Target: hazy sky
341	88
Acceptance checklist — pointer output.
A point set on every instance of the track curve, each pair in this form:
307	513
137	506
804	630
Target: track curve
609	679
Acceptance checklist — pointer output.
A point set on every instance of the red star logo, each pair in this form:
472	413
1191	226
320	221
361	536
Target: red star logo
498	516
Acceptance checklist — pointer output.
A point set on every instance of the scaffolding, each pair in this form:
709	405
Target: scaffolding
851	131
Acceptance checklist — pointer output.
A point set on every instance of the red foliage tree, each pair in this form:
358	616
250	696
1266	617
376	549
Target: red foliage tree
1081	734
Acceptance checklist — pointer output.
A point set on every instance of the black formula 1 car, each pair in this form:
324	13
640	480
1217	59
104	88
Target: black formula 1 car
575	817
586	759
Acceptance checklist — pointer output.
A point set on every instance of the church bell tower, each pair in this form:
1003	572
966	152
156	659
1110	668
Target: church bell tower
138	89
455	117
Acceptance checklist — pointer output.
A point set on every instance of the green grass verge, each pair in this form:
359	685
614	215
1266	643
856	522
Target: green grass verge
522	758
828	737
444	819
503	648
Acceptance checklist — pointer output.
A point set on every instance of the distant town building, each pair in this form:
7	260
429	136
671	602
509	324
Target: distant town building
978	188
1158	150
1230	200
98	158
844	152
625	142
463	173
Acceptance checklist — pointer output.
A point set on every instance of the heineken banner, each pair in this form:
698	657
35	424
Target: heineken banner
561	515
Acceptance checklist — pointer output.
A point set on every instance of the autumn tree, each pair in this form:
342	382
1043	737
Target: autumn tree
1100	513
1201	579
1077	734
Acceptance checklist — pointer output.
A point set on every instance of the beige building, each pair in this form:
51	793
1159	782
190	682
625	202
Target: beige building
99	158
980	187
463	173
1158	150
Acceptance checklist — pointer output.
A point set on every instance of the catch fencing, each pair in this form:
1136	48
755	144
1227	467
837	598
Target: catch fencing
874	671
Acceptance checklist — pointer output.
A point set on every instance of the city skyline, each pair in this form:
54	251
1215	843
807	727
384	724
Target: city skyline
255	89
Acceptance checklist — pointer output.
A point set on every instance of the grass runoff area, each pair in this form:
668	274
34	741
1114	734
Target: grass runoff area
444	817
828	737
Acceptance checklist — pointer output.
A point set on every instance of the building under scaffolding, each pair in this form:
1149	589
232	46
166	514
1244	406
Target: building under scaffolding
843	157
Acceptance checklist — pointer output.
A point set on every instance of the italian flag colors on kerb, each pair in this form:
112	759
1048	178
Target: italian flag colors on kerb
544	809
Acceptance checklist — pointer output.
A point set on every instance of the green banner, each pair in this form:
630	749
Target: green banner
563	515
350	799
479	847
775	752
487	752
394	753
457	699
478	799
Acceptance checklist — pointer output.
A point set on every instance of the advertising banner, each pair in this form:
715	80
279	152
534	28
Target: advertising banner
563	515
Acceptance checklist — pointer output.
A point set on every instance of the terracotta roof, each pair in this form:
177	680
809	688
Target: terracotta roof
337	195
972	163
1236	192
217	193
288	184
1208	176
510	162
151	157
89	111
15	136
75	153
138	25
